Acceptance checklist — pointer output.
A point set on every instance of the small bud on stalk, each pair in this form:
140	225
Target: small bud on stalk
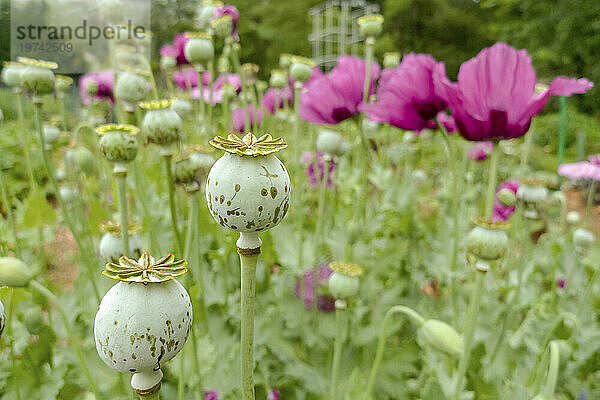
301	68
370	25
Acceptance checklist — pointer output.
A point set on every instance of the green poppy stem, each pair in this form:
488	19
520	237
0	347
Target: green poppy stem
122	188
562	131
552	370
468	332
172	205
382	338
341	319
9	213
35	285
489	200
248	264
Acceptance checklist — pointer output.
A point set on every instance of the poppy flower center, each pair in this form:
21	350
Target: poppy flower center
341	113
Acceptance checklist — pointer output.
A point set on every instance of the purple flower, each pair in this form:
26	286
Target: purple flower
561	283
169	51
212	395
406	98
333	98
582	169
256	117
313	280
447	120
308	160
235	15
218	87
480	151
495	95
179	44
285	95
186	78
500	211
105	82
274	395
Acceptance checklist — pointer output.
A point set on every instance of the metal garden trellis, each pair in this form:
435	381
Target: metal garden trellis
335	29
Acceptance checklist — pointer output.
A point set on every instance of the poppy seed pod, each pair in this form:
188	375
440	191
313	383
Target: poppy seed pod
370	25
111	244
330	142
487	241
442	337
63	83
250	73
199	49
285	60
301	68
2	318
248	188
573	217
207	13
182	107
532	194
222	26
144	320
37	76
583	239
344	282
278	79
161	124
131	87
118	143
11	73
185	170
391	60
14	272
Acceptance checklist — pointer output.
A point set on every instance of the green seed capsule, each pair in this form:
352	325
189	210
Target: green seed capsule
487	243
163	126
33	320
131	87
342	286
301	68
370	25
36	80
119	146
199	49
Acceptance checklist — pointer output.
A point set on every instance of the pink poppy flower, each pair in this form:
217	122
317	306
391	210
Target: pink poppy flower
335	97
179	44
169	51
238	117
313	280
406	98
581	170
480	151
104	80
502	212
274	395
311	174
235	16
212	395
285	95
495	95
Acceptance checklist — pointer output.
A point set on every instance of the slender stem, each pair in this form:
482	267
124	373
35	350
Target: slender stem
211	71
35	285
589	209
562	131
369	45
9	213
88	255
321	204
552	370
382	339
297	90
469	330
248	264
340	337
489	200
122	188
201	99
171	186
140	188
11	340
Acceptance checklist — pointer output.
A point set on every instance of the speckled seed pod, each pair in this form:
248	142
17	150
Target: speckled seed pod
161	124
183	108
370	25
199	49
301	68
144	320
118	143
11	74
248	188
2	318
344	282
37	76
391	60
278	79
487	242
131	87
442	337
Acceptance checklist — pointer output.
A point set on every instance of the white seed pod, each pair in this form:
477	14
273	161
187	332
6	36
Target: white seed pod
131	87
206	13
248	194
370	25
111	247
183	108
11	74
331	142
344	282
2	318
583	239
161	124
199	49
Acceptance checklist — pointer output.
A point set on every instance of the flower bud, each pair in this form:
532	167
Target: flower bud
131	87
573	217
37	76
391	60
301	68
118	143
183	108
344	282
162	125
33	320
442	337
14	272
199	49
506	197
278	79
370	25
487	242
11	74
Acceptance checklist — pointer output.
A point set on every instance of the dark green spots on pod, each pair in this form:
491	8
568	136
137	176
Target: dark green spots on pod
264	192
222	199
216	183
276	215
260	208
273	191
237	187
133	356
115	322
233	227
132	369
228	203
